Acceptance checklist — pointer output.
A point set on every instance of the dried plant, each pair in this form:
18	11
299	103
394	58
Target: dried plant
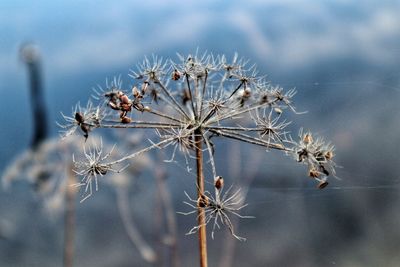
189	104
52	174
218	209
48	166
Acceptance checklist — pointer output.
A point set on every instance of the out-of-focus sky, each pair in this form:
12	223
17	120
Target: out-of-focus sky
76	36
342	56
84	39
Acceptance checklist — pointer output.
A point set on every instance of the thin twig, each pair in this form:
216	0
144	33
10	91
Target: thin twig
203	93
177	105
191	96
251	140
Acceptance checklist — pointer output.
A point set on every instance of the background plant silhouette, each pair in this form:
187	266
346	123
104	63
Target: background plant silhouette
48	167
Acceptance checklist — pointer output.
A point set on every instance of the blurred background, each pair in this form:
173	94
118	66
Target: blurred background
343	57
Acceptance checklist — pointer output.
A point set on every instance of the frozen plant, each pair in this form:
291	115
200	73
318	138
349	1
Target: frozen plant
217	209
188	104
48	166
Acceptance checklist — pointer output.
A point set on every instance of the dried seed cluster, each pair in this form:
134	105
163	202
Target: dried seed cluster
318	155
218	208
92	167
200	97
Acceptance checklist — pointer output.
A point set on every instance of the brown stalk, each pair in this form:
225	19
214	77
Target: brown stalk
200	193
69	220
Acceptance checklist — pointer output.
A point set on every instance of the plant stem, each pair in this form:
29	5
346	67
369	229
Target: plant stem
32	59
200	193
69	220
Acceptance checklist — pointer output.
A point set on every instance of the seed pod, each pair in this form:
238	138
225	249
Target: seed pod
322	184
203	201
126	120
85	129
313	173
126	107
246	93
302	155
307	138
176	75
264	99
278	111
79	118
101	170
145	85
153	76
124	99
319	156
135	92
219	182
329	155
147	108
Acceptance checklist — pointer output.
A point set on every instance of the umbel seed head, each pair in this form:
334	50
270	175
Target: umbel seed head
203	97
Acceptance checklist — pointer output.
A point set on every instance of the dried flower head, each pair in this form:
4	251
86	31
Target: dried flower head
271	129
217	210
91	167
317	154
191	103
85	118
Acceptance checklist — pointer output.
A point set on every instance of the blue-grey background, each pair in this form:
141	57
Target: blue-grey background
343	58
